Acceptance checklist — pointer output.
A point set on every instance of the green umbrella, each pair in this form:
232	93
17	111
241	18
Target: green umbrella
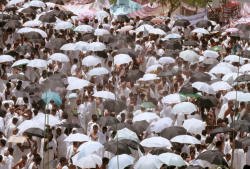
146	105
191	95
216	48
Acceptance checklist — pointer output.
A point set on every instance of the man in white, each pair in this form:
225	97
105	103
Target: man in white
61	145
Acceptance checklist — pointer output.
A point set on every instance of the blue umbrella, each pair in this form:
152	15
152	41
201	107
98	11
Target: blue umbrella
47	97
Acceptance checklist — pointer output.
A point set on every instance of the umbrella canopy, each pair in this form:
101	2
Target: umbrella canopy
59	57
203	87
213	157
6	58
182	22
163	27
156	142
98	71
172	159
49	18
149	117
158	151
194	129
245	68
100	32
96	46
171	99
50	120
185	139
221	86
82	46
203	24
88	148
148	105
157	31
200	30
48	96
84	28
25	49
128	51
208	101
171	132
140	126
18	76
245	97
173	45
190	43
34	88
173	36
210	54
184	107
77	84
148	162
91	60
133	75
242	143
36	132
234	58
105	95
190	56
122	59
126	134
162	124
116	147
200	77
232	95
241	125
77	138
124	161
37	63
107	121
221	130
114	105
90	161
119	126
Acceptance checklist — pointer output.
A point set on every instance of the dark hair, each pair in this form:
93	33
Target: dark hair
62	159
105	160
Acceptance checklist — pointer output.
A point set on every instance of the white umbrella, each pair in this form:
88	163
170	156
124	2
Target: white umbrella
184	108
171	99
231	30
32	23
126	28
91	60
245	68
84	28
122	59
149	77
6	58
20	62
63	25
153	68
157	31
68	46
228	65
25	30
148	162
156	142
96	46
38	4
190	56
144	27
221	86
166	60
38	63
126	134
122	161
50	120
78	137
27	124
77	84
220	70
200	30
82	46
194	126
105	95
234	58
98	71
210	54
185	139
245	97
13	2
60	57
89	161
172	159
232	95
203	87
172	36
161	124
88	148
230	77
149	117
100	32
101	14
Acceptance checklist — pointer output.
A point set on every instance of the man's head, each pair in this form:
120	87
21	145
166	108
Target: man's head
94	117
